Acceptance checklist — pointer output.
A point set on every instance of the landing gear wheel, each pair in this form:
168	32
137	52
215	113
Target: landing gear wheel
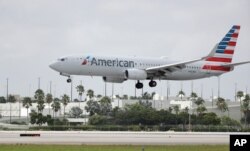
68	80
152	83
139	85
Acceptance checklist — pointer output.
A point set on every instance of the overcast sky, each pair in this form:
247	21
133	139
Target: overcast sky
33	33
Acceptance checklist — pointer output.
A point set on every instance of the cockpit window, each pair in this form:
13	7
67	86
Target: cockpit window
62	59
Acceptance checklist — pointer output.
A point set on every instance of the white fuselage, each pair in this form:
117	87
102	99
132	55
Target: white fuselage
112	66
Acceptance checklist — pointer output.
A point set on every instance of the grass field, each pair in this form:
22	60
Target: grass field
20	147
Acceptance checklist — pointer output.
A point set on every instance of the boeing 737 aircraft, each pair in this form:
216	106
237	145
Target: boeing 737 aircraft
119	69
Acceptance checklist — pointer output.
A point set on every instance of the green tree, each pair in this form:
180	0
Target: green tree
11	99
221	104
97	120
56	106
65	101
199	101
225	120
245	107
125	97
193	95
37	118
146	96
90	94
92	107
105	106
239	95
75	112
181	94
170	109
176	109
186	109
2	99
80	90
27	102
39	96
201	109
210	119
49	99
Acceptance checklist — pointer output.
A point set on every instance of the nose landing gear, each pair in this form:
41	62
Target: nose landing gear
66	75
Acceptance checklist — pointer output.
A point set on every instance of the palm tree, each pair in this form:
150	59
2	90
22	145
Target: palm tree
11	99
221	104
181	94
176	109
170	109
90	94
56	106
65	101
186	109
27	102
39	96
49	99
239	95
199	101
200	107
245	106
80	90
193	96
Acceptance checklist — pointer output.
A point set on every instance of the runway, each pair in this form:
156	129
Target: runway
114	138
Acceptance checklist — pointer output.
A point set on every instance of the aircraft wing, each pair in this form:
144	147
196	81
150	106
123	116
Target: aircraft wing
235	64
169	68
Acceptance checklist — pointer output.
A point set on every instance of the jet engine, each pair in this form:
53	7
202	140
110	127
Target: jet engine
113	79
136	74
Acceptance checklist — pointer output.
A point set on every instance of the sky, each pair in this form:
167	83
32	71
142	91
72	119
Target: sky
33	33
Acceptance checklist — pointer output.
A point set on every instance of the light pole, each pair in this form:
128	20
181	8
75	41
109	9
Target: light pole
8	96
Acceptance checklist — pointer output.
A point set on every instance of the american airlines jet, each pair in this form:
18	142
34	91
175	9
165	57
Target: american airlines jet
119	69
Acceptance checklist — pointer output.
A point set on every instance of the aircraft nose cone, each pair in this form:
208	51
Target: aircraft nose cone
53	65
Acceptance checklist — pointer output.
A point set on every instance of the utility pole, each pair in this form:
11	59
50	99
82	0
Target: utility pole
38	82
135	90
7	97
212	98
112	92
218	86
105	89
201	90
71	89
235	91
50	89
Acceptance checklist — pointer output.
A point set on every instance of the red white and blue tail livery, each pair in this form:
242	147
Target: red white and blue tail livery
118	69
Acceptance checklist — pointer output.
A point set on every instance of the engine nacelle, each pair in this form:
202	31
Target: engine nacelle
136	74
113	79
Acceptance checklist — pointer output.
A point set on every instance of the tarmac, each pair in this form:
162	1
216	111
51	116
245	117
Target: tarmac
115	138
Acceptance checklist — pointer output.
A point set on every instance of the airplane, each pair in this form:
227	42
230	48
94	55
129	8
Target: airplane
117	69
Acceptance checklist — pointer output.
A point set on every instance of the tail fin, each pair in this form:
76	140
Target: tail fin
225	49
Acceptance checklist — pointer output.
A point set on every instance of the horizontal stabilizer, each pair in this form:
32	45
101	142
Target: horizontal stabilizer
235	64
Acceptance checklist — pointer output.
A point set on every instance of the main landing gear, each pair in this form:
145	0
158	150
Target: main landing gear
139	85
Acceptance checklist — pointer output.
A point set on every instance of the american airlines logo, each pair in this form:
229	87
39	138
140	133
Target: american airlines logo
108	62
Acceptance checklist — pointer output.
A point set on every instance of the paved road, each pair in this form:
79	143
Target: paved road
114	138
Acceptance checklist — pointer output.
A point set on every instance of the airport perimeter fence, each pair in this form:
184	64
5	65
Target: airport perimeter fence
178	128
